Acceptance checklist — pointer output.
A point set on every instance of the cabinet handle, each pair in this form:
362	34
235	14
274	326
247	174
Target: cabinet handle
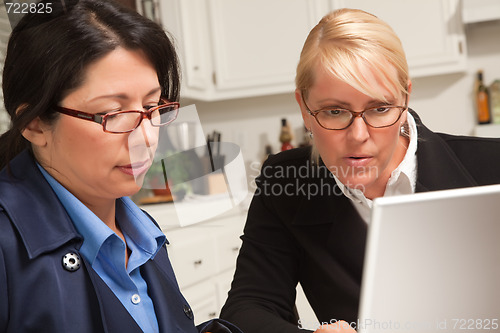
198	262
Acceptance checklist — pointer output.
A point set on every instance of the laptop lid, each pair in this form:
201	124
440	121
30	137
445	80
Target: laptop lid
432	263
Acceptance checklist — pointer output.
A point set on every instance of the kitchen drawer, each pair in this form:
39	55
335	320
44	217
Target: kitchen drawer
223	284
193	256
228	246
203	301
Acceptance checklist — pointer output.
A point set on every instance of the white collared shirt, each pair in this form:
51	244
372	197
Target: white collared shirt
402	181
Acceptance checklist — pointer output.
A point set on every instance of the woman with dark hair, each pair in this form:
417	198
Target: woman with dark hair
87	86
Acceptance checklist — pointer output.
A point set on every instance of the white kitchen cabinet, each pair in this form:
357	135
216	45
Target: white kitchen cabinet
202	298
233	49
474	11
431	31
223	286
203	257
192	254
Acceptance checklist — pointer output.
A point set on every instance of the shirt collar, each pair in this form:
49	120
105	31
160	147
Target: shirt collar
142	236
402	181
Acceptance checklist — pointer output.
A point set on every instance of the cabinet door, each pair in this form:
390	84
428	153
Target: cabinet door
480	10
223	285
228	245
232	49
187	22
258	42
431	31
203	301
192	254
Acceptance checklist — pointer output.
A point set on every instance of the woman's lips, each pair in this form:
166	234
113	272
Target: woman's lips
135	169
358	161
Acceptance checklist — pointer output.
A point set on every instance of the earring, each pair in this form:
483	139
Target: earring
310	133
402	130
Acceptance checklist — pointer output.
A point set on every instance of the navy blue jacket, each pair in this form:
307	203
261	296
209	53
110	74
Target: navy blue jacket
38	295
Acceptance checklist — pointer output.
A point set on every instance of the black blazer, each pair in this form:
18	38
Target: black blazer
301	228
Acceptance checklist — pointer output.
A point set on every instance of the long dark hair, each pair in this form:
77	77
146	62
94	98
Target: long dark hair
48	54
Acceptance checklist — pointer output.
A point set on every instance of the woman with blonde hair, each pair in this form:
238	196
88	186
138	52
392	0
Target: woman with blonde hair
353	89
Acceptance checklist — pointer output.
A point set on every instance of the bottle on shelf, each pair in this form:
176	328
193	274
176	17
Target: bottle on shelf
285	135
482	100
268	150
495	101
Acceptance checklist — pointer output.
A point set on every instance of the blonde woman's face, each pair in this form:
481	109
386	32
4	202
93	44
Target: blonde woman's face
360	156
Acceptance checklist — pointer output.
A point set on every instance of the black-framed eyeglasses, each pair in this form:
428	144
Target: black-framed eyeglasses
128	120
339	118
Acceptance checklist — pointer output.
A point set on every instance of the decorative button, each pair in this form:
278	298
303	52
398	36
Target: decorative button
188	312
136	299
71	261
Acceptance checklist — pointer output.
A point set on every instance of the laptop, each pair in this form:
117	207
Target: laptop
432	263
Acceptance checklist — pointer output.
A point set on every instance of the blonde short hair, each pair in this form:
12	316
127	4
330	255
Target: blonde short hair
346	39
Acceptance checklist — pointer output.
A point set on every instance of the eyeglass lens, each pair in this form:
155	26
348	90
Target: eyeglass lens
378	117
130	120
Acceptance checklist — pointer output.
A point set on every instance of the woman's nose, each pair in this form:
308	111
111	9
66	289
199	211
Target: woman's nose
358	130
149	132
145	135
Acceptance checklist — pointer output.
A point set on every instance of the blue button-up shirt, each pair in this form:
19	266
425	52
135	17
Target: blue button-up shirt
106	251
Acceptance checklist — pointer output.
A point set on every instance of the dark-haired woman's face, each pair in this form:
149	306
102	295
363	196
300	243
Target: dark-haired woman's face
90	163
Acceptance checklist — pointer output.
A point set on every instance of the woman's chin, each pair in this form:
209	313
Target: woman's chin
130	189
357	183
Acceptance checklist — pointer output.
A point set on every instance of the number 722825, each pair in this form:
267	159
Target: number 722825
25	8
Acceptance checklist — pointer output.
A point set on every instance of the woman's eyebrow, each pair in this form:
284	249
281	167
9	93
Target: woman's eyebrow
329	102
153	91
124	96
333	102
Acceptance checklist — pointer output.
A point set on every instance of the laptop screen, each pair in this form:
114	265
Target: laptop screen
432	263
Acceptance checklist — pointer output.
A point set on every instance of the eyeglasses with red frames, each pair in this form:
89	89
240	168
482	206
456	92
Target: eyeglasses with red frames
128	120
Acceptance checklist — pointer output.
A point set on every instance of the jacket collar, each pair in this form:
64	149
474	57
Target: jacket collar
438	167
33	207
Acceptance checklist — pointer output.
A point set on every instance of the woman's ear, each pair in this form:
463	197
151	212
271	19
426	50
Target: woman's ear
303	110
36	132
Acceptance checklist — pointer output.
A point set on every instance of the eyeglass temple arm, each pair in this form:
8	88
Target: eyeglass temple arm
82	115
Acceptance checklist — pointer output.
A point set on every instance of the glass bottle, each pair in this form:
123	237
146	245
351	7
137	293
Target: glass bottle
482	101
285	135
